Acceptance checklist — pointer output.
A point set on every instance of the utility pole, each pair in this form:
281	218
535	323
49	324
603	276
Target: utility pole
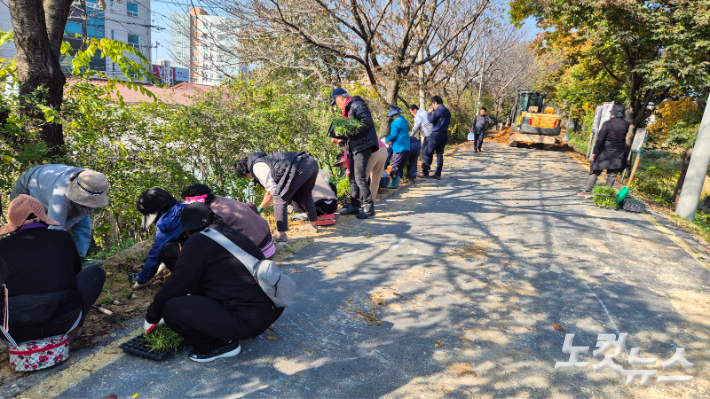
480	81
422	99
697	170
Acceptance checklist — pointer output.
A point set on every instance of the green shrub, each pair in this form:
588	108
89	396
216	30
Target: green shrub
657	183
343	186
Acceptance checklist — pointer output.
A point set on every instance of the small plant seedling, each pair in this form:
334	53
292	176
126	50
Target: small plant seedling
342	126
604	197
126	293
163	338
108	299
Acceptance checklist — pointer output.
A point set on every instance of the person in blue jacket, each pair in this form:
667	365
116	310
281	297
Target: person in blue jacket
156	203
440	118
398	140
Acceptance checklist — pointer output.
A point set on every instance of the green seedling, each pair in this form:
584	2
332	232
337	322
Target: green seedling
604	197
108	299
126	293
163	338
342	126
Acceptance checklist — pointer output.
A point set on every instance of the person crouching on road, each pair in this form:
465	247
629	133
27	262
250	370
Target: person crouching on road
285	176
609	150
47	288
399	141
158	204
211	299
237	215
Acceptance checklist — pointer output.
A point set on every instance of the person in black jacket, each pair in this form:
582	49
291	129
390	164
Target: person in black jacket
47	287
609	150
211	299
360	144
285	176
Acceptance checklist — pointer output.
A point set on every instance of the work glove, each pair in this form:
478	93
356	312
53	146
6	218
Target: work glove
149	326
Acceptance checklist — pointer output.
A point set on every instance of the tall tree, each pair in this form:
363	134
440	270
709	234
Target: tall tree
39	27
382	38
647	48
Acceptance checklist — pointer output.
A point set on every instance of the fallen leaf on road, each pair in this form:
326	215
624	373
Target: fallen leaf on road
324	265
135	395
110	352
112	396
297	271
369	317
558	327
439	344
337	257
271	328
271	361
272	337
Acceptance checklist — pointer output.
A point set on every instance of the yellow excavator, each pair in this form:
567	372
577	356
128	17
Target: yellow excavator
529	124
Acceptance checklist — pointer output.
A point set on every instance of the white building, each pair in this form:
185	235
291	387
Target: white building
206	45
123	21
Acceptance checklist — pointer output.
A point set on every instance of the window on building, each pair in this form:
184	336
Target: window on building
194	80
72	28
194	59
134	41
95	27
132	9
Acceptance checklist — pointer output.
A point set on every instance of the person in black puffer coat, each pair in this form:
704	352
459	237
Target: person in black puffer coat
360	144
609	151
285	176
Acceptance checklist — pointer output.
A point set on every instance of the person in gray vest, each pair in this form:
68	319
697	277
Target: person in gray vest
609	150
479	128
68	194
285	176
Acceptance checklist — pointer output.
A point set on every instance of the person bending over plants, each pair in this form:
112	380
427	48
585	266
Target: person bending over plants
211	299
285	176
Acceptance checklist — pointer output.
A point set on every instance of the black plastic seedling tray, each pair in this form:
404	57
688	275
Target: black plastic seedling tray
138	345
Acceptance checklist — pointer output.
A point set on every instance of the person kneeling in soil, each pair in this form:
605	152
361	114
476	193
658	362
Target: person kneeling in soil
285	176
236	215
157	204
47	288
211	299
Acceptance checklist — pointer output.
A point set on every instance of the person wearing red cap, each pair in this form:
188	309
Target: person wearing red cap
47	288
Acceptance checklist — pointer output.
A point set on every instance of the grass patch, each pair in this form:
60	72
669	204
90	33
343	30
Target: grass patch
99	254
604	197
163	338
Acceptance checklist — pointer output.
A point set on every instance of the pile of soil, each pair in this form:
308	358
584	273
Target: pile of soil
502	136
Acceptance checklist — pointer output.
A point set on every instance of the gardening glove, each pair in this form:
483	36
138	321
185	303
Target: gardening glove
149	326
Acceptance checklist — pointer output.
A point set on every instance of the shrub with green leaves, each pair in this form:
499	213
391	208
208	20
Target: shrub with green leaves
604	197
342	125
163	338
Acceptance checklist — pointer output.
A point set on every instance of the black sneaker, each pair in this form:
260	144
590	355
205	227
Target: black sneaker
437	177
230	350
366	212
350	210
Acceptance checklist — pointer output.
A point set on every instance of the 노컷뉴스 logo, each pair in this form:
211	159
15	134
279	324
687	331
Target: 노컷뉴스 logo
607	341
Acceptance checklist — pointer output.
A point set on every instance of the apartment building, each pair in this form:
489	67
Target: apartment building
205	44
126	21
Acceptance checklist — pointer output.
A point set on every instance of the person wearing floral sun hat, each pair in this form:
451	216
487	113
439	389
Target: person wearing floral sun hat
47	288
68	194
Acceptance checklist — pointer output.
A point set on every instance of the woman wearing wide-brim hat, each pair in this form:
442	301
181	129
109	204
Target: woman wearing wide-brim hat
68	194
47	288
609	151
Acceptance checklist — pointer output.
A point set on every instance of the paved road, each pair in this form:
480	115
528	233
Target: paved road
461	281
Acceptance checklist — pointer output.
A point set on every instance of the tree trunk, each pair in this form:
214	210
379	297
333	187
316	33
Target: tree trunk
39	26
679	186
391	97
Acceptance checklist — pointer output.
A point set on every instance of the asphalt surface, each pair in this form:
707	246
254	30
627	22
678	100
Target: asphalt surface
453	290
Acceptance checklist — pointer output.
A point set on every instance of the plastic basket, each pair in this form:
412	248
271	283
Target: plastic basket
139	346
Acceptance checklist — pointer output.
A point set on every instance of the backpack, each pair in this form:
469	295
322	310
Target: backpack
36	354
280	288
